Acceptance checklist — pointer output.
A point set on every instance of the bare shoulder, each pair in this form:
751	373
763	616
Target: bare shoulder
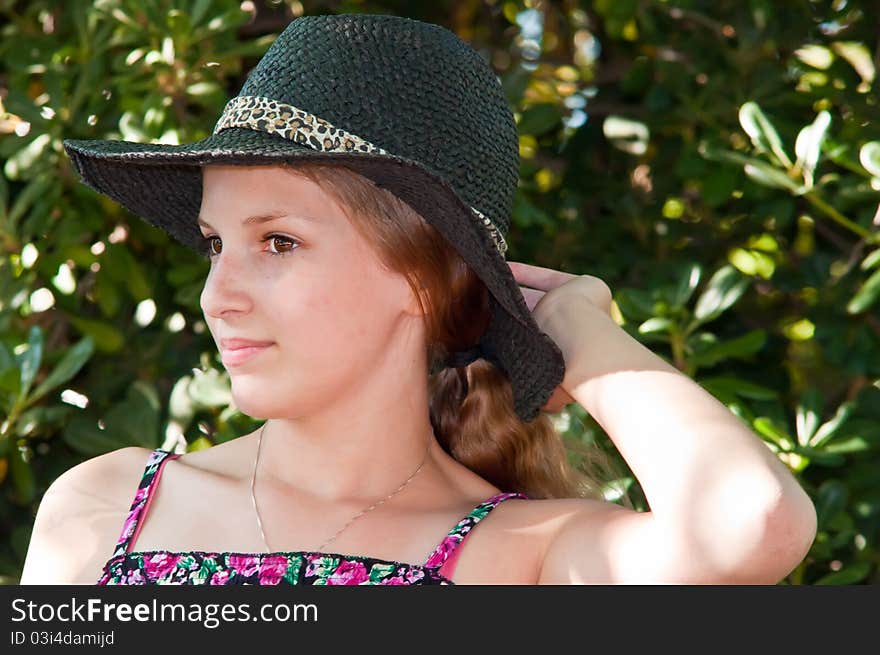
512	547
81	516
564	541
590	541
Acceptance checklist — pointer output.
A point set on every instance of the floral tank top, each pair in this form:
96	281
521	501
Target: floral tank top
151	567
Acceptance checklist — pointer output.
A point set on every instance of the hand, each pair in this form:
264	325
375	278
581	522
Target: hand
545	290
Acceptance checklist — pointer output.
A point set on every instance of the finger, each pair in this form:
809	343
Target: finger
539	277
532	297
557	401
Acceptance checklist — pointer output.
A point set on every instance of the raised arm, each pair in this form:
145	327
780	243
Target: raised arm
723	508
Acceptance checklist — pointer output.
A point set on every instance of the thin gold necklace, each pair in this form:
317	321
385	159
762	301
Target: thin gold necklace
352	520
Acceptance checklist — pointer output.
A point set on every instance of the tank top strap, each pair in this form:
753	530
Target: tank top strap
142	498
444	556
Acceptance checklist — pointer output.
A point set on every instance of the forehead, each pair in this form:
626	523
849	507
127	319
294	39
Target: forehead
254	195
268	217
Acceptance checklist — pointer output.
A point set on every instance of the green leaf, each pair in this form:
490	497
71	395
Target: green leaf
766	427
132	422
739	387
872	260
203	88
199	10
22	477
687	283
828	429
540	118
816	56
73	360
4	197
84	435
228	20
29	360
866	295
18	166
26	198
626	134
740	347
808	415
7	359
756	169
39	419
138	416
181	407
210	388
182	273
809	145
106	337
859	57
125	19
761	131
10	384
822	457
124	269
656	325
869	157
614	490
853	444
831	499
848	575
718	185
636	304
722	291
106	294
179	24
720	154
189	295
767	175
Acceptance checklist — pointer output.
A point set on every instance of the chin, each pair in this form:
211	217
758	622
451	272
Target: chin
254	400
250	397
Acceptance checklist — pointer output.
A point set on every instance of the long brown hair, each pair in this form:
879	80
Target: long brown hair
471	408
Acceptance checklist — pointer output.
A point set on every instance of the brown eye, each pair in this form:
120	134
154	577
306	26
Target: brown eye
207	250
284	250
287	245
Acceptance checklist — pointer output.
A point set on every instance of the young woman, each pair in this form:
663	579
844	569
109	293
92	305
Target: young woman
353	201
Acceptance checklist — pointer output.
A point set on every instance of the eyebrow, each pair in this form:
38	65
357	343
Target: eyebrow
265	218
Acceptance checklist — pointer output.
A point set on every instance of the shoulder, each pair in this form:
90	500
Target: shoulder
103	482
561	541
587	541
512	546
80	518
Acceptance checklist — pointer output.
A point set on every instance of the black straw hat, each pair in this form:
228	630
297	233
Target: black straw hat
405	103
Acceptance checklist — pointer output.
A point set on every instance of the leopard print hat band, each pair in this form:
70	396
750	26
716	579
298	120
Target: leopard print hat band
274	117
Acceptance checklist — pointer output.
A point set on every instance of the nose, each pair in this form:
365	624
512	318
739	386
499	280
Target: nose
227	288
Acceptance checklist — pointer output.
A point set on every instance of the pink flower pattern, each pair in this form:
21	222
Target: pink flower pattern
272	567
306	568
349	572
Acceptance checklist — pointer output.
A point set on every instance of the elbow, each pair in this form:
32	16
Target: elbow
787	530
791	528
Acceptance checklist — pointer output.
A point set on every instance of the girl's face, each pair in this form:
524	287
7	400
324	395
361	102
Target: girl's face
289	271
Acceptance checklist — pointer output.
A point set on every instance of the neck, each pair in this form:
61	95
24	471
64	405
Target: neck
354	464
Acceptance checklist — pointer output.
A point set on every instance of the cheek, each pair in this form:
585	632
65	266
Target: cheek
329	316
354	318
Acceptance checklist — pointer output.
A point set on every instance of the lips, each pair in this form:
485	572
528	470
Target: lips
239	356
234	343
236	351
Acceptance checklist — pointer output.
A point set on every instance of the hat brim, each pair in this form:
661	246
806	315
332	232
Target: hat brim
162	184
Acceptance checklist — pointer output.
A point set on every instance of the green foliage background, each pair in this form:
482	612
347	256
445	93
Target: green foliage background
717	163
